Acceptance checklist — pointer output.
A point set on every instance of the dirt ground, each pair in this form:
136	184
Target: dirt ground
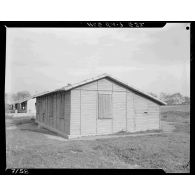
27	146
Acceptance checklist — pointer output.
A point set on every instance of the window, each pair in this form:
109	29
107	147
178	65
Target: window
23	105
62	105
104	106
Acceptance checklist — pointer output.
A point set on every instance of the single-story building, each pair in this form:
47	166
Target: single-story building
101	105
26	105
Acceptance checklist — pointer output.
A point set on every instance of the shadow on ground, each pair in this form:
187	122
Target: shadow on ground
27	124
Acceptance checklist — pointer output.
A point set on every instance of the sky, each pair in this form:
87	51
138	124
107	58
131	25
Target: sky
151	59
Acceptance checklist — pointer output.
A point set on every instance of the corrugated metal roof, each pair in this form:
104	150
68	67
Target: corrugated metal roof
130	87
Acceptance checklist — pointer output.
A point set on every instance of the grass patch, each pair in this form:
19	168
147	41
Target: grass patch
29	147
139	132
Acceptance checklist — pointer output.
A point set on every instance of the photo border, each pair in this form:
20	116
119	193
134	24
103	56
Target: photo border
85	24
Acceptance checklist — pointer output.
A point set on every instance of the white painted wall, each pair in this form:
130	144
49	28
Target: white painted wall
81	111
31	106
127	107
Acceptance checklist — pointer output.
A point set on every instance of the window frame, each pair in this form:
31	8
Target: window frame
111	107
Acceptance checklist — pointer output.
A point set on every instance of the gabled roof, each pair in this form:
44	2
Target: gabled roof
41	94
116	80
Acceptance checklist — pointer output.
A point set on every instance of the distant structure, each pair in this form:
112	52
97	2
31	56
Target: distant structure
101	105
26	105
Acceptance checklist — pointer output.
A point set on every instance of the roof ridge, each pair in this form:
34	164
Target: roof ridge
86	81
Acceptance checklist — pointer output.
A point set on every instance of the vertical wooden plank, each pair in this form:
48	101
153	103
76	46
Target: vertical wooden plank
57	114
119	111
37	109
56	110
112	108
64	109
130	112
75	112
59	110
134	111
80	112
159	117
45	109
63	118
49	108
96	106
60	107
68	109
88	110
64	96
39	103
126	109
40	111
53	108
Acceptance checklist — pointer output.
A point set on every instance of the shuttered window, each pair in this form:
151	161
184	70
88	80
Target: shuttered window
104	106
62	105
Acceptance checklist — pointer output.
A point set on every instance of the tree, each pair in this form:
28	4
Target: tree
20	95
187	100
8	98
174	99
163	96
153	94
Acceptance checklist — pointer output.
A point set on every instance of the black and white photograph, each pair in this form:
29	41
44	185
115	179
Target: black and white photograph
94	97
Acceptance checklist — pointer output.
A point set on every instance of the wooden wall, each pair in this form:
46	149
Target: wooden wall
31	106
131	112
55	121
146	114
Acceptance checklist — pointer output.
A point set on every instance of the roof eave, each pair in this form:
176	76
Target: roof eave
68	88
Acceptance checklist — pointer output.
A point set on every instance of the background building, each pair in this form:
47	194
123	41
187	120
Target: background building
26	105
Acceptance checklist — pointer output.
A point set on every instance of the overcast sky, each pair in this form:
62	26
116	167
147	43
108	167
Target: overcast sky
153	60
